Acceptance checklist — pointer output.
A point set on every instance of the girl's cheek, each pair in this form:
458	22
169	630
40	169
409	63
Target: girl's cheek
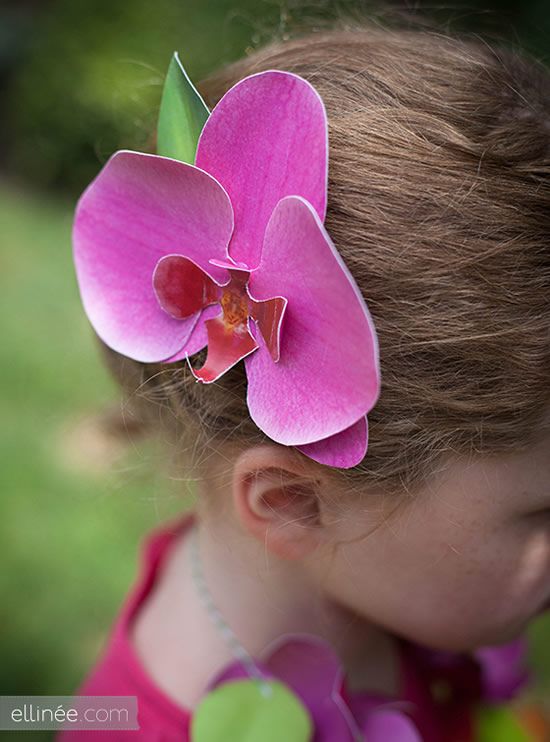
532	574
514	581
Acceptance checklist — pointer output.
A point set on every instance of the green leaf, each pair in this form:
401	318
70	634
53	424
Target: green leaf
498	724
249	711
182	115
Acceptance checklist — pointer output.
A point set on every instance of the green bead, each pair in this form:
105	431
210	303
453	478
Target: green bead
498	724
242	711
182	115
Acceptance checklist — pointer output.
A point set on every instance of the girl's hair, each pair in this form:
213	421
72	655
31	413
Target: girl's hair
439	203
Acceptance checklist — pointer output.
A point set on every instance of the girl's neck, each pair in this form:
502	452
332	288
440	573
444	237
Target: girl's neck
260	597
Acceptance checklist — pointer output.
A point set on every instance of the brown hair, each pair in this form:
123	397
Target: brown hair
439	203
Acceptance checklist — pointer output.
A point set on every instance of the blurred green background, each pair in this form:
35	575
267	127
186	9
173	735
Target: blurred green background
79	80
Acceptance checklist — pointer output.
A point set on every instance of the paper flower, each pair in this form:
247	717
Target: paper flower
471	690
312	670
231	253
491	674
469	701
504	671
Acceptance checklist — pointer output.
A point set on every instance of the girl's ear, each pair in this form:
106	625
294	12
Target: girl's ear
278	502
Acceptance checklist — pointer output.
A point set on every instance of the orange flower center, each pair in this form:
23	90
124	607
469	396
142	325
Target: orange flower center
235	308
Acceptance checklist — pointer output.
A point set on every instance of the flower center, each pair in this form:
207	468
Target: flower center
235	308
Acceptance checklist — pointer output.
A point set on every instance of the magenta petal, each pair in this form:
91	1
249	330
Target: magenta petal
228	263
198	339
268	316
504	670
309	668
344	450
328	376
226	347
182	288
266	139
384	725
312	669
138	209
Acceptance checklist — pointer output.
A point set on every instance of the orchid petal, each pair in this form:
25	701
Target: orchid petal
344	450
266	139
309	666
138	209
504	669
268	316
313	670
228	263
226	347
182	288
198	339
383	725
327	377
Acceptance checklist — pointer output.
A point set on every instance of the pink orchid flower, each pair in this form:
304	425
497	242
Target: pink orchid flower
231	253
311	668
504	670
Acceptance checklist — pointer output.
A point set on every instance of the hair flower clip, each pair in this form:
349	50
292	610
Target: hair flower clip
219	241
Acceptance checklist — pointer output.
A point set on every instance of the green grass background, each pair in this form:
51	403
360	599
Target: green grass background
69	529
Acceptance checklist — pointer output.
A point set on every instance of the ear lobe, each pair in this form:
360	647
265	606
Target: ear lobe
280	507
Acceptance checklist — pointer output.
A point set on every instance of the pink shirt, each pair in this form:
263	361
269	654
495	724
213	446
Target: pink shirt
119	671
